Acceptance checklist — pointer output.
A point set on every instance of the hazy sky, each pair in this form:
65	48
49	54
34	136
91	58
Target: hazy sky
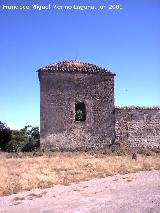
125	41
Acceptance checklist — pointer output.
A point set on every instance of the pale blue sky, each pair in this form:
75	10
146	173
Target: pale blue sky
124	41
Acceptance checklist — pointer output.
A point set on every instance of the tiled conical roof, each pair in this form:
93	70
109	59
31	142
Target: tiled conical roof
74	65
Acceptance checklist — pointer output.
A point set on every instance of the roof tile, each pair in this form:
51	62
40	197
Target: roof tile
74	65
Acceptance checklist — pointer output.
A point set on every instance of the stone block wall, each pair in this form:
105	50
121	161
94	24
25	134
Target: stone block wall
60	91
138	126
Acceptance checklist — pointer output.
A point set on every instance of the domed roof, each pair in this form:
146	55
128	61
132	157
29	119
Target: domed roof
75	66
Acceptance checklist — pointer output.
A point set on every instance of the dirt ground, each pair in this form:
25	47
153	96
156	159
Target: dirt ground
134	193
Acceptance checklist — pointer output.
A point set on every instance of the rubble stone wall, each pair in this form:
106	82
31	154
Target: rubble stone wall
60	91
138	126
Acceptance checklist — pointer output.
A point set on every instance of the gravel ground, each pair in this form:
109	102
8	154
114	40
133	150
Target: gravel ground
130	193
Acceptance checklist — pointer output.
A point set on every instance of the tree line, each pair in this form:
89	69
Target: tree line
24	140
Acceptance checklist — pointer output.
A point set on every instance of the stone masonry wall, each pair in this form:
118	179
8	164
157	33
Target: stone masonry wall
138	126
59	93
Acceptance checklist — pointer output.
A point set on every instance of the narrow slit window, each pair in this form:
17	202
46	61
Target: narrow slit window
80	112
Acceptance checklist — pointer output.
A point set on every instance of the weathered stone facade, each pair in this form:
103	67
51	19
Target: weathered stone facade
138	126
62	87
66	84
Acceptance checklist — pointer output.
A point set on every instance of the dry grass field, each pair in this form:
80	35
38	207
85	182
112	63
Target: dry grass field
29	171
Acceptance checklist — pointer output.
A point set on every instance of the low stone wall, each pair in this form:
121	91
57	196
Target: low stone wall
138	126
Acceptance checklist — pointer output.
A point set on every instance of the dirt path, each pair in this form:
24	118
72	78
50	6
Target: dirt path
133	193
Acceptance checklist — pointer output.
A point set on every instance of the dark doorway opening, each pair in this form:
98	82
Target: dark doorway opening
80	111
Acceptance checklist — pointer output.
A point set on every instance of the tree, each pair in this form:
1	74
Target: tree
18	141
34	138
24	140
5	135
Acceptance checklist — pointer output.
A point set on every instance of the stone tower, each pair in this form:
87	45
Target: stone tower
76	106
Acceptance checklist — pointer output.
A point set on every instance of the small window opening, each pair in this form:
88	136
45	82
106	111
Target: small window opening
80	112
